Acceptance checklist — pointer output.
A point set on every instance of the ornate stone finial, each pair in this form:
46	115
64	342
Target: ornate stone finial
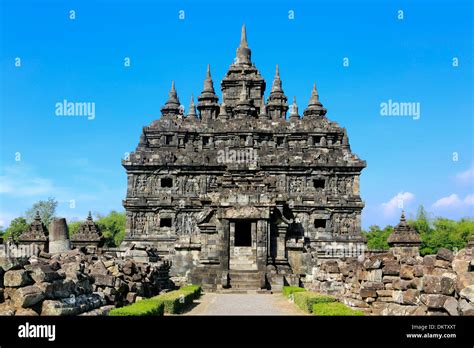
315	107
402	218
276	85
89	217
243	38
243	51
192	108
314	100
223	112
172	105
294	110
208	84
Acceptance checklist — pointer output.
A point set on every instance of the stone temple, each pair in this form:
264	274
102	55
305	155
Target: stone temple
236	194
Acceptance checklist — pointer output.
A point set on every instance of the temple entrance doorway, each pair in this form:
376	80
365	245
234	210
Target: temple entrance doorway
243	245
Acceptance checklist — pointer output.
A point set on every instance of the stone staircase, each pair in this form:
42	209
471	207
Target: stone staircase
244	280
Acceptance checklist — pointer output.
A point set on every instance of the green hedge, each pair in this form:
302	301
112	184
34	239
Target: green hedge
194	289
288	290
141	308
335	308
178	300
305	300
172	302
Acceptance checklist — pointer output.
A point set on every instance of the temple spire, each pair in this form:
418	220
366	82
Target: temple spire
172	105
315	107
208	84
314	100
192	108
294	110
243	51
223	112
276	86
208	105
243	38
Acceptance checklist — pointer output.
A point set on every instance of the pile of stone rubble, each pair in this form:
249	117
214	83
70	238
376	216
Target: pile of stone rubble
74	283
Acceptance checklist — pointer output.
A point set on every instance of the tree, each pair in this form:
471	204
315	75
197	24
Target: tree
112	227
377	238
73	227
46	209
16	228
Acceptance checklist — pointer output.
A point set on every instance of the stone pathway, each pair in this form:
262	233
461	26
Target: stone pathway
244	304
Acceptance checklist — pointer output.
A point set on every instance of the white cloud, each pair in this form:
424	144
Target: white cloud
466	176
397	203
454	201
18	181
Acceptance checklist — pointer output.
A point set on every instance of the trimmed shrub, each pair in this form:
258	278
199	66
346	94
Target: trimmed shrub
194	289
306	299
172	302
335	309
141	308
288	290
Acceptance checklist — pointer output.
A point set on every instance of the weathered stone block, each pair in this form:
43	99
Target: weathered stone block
463	280
27	296
16	278
43	273
373	285
465	308
451	306
418	270
445	254
429	260
468	293
411	296
433	300
104	280
438	285
406	272
391	268
364	293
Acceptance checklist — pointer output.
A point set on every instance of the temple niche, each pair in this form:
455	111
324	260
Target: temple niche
243	190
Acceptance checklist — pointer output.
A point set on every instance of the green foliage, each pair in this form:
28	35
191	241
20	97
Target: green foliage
112	227
145	307
17	227
178	300
377	238
288	290
334	309
445	233
306	299
434	233
46	209
194	289
74	227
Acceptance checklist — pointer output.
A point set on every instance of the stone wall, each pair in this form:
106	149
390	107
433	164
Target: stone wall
74	283
399	282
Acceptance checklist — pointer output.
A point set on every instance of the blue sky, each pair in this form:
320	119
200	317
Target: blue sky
82	60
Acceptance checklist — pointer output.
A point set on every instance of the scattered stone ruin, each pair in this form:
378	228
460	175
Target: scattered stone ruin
400	281
237	195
